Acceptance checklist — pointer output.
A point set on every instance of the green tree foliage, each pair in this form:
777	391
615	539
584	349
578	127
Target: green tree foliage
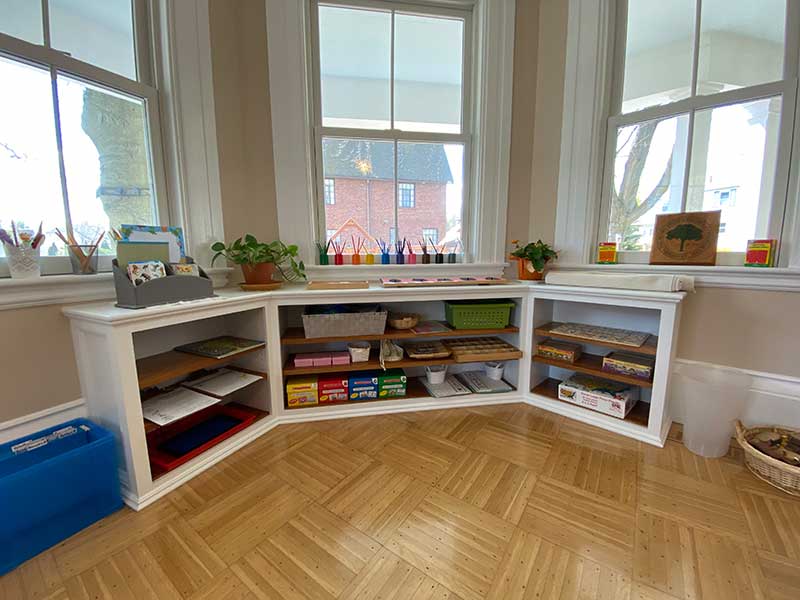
685	232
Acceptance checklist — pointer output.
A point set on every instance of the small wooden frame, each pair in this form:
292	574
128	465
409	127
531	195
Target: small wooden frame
686	239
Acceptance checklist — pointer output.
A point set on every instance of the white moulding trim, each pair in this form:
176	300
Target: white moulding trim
49	290
775	279
28	424
375	272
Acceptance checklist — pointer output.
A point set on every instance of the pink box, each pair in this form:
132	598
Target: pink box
321	359
340	358
304	360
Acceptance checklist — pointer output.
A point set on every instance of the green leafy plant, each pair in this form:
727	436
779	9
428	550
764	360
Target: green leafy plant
685	232
249	251
537	252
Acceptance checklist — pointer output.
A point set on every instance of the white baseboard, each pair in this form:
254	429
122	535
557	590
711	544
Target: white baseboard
772	399
15	428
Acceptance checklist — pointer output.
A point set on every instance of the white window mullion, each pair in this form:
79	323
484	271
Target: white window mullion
698	11
62	170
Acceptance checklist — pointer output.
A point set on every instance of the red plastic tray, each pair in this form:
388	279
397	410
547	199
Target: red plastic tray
164	462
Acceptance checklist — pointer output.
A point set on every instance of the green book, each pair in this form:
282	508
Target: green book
220	347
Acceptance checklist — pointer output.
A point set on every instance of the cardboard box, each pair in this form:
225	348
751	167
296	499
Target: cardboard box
392	384
363	386
607	397
633	365
340	358
332	388
566	351
301	391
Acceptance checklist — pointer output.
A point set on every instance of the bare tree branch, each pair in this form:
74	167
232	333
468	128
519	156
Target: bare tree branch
12	152
655	195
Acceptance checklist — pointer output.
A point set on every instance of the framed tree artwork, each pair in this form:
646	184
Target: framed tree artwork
686	238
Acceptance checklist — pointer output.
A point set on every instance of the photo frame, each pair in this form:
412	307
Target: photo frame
688	238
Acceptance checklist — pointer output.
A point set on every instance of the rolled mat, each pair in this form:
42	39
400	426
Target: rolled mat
652	283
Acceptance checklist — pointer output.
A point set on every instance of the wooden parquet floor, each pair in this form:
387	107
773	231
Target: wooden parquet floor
504	502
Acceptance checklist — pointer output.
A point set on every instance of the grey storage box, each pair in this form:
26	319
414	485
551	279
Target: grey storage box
358	320
172	288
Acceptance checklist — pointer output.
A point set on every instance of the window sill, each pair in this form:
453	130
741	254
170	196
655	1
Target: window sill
774	279
375	272
48	290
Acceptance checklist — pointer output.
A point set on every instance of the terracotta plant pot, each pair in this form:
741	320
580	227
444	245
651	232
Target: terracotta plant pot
258	273
526	272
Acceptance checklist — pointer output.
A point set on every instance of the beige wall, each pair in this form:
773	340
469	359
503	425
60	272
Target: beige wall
747	329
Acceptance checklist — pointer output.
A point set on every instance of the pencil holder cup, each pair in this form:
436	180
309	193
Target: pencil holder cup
82	263
451	257
399	258
411	259
385	259
369	259
426	259
23	261
338	259
355	259
323	259
439	259
436	373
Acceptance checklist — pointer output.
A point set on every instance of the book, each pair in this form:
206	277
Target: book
222	383
607	253
479	383
760	253
220	347
171	406
430	327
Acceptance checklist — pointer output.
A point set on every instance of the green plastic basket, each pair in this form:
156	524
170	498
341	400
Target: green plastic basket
486	314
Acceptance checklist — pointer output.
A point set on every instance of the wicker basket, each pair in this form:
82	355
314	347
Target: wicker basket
773	471
368	321
487	314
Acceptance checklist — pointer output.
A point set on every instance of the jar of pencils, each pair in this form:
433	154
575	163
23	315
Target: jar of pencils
23	261
83	259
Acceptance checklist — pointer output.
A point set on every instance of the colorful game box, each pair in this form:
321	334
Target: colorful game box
566	351
625	363
392	384
607	397
607	253
760	253
301	391
363	386
332	388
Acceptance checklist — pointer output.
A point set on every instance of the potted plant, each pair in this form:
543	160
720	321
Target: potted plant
532	258
259	260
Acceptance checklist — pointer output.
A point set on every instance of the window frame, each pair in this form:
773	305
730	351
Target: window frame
785	88
411	188
426	238
329	191
463	11
143	88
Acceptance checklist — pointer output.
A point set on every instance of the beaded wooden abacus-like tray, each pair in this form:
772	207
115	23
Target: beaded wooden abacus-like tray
480	349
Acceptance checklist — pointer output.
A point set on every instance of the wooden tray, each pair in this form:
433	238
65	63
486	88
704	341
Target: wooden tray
426	350
481	349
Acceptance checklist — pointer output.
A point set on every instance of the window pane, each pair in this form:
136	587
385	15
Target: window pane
22	19
648	179
30	184
436	171
100	33
107	161
741	44
355	67
428	73
658	53
734	151
363	176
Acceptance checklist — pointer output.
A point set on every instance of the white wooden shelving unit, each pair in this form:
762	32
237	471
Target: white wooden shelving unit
120	352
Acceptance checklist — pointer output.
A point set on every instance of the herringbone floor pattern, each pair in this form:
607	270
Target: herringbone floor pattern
505	502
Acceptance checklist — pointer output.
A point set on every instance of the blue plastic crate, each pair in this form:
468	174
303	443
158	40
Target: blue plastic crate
51	492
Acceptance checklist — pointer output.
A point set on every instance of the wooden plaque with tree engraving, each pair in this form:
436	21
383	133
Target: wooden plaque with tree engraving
686	238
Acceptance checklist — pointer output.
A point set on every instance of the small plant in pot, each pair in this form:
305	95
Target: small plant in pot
260	260
532	258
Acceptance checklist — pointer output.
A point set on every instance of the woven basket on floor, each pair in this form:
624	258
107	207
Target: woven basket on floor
773	471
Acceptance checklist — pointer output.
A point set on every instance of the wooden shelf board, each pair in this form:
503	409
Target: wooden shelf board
414	389
296	336
649	346
374	364
592	364
159	368
639	415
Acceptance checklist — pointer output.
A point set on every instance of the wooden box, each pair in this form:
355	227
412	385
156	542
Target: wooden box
566	351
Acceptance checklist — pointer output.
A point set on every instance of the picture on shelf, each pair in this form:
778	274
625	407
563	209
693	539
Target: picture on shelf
686	238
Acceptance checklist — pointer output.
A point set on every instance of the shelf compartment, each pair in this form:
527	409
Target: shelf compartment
295	335
415	389
159	368
639	415
162	462
649	346
592	364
